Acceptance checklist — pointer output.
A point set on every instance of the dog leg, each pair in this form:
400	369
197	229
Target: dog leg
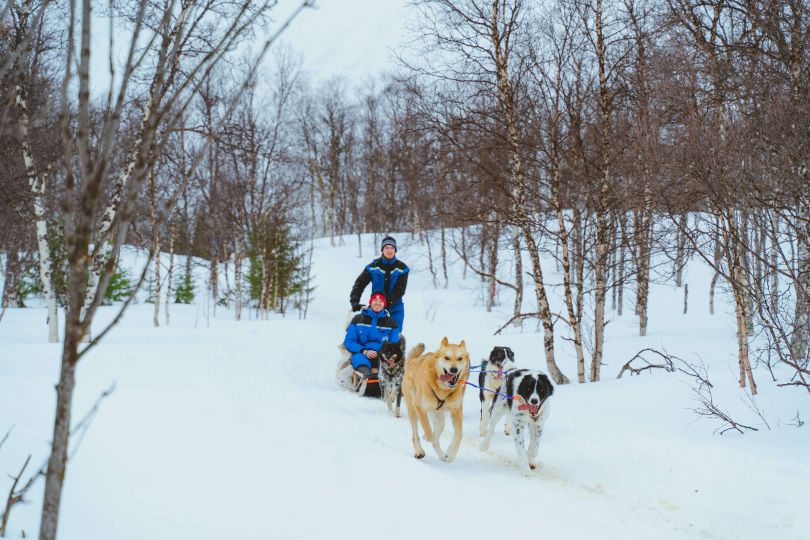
438	428
499	408
507	426
423	418
486	404
452	450
399	398
389	398
534	444
413	416
520	447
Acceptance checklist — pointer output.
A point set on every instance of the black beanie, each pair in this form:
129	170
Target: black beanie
388	241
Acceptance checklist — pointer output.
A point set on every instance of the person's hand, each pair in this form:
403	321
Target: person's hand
370	354
357	307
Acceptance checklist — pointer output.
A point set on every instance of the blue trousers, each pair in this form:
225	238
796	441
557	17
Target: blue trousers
397	313
359	359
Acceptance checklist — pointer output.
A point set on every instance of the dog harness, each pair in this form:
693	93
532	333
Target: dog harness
439	401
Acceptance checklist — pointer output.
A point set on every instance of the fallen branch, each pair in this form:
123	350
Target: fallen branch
699	373
667	364
710	409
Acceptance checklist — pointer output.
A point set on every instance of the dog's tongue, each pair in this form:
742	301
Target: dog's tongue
447	377
531	408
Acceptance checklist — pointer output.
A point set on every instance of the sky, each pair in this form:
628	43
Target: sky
349	38
353	39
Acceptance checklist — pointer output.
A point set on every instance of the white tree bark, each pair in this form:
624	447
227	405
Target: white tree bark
170	272
104	251
517	181
600	266
801	319
38	190
36	182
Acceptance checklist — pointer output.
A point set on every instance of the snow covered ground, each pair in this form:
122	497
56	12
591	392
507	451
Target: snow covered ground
223	429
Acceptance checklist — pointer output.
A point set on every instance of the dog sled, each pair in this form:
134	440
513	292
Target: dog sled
354	381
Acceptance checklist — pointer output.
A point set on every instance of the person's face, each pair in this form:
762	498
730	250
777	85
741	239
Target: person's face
377	304
389	251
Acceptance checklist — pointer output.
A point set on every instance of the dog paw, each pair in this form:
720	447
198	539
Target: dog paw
532	466
397	414
419	455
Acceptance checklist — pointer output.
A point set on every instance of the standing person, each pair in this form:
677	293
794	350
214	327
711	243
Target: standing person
388	276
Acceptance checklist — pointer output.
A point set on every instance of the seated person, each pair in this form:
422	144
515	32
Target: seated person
366	334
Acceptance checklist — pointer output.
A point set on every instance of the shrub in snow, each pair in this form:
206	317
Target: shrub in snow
120	287
184	293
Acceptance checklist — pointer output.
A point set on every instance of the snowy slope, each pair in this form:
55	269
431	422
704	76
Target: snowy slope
223	429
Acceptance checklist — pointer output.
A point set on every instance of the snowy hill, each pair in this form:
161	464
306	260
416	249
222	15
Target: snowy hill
223	429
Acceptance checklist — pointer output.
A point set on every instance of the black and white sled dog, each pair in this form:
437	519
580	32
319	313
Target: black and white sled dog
528	410
392	368
492	376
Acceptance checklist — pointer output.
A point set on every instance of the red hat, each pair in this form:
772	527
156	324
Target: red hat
380	296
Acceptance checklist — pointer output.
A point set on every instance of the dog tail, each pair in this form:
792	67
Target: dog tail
416	352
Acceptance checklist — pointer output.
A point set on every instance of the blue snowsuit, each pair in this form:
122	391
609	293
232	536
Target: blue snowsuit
369	330
388	277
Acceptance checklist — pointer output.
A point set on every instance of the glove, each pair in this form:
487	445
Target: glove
357	307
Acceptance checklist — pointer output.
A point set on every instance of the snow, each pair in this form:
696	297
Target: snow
224	429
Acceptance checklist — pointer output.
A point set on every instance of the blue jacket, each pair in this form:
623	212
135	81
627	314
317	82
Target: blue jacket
369	330
389	277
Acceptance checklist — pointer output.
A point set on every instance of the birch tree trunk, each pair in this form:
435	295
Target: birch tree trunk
213	281
801	319
517	183
680	249
573	314
737	272
153	215
170	272
237	262
104	251
622	250
518	276
38	190
600	266
545	312
464	252
444	259
643	270
493	266
718	254
772	269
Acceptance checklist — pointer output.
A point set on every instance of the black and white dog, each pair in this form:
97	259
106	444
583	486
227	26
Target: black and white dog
392	368
501	361
528	409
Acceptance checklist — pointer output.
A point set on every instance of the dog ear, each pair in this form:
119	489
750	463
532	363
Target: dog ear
444	342
463	345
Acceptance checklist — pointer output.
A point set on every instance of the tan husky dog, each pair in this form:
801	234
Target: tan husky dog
434	384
